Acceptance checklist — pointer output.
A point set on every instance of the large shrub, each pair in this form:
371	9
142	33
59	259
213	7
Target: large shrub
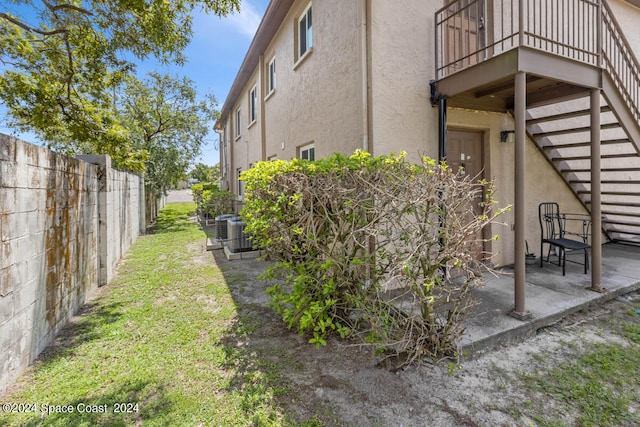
211	201
371	247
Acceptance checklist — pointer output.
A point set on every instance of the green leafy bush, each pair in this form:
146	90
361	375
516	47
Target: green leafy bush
197	189
211	201
375	248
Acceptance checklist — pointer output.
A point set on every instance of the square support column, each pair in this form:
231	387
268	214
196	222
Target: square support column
596	210
520	101
103	161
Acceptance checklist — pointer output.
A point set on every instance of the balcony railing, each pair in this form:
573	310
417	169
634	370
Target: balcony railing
468	32
620	62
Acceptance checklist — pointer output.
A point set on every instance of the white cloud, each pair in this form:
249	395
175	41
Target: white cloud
247	21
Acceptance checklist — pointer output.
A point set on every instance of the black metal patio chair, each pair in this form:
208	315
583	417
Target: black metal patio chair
553	232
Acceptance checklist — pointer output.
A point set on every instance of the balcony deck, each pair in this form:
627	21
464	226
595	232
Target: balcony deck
490	85
482	44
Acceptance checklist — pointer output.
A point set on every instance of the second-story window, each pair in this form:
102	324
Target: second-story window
252	105
238	124
271	84
305	32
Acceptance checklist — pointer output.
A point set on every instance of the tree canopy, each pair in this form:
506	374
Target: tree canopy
168	123
64	63
205	173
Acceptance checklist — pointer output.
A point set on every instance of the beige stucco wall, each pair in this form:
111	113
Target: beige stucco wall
628	16
317	99
247	148
402	63
543	184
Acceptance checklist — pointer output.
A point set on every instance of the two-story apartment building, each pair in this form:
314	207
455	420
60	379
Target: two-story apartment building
541	96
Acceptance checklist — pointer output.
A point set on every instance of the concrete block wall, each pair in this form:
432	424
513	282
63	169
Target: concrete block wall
123	212
51	220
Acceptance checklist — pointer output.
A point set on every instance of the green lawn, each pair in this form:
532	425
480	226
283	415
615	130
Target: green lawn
173	341
156	340
599	383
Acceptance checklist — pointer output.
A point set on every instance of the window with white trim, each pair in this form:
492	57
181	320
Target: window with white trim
238	124
305	32
253	105
308	152
271	74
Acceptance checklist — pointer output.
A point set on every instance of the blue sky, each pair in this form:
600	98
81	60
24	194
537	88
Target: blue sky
216	53
220	44
214	57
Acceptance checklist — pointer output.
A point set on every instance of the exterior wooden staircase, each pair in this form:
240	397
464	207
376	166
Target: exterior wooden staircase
561	131
567	48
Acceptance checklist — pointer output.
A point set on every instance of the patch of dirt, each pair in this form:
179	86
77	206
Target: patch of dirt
342	385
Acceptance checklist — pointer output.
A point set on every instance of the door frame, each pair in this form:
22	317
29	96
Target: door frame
484	170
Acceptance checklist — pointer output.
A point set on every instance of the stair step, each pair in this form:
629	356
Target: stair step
632	233
604	156
585	144
568	115
632	214
574	130
625	204
612	193
601	170
620	222
604	181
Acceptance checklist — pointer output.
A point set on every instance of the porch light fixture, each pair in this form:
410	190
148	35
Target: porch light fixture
508	136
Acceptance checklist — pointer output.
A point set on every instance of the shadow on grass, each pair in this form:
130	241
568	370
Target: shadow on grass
88	325
264	356
172	218
128	405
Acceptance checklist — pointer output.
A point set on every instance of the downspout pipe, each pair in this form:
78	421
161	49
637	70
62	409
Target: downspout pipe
441	101
364	70
223	158
442	128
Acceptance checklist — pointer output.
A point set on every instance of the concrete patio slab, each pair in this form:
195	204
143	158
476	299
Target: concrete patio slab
550	296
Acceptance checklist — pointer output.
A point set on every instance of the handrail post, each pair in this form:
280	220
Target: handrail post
599	40
435	38
520	22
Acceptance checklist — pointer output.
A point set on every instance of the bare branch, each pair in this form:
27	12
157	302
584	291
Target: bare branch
400	243
57	7
30	29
